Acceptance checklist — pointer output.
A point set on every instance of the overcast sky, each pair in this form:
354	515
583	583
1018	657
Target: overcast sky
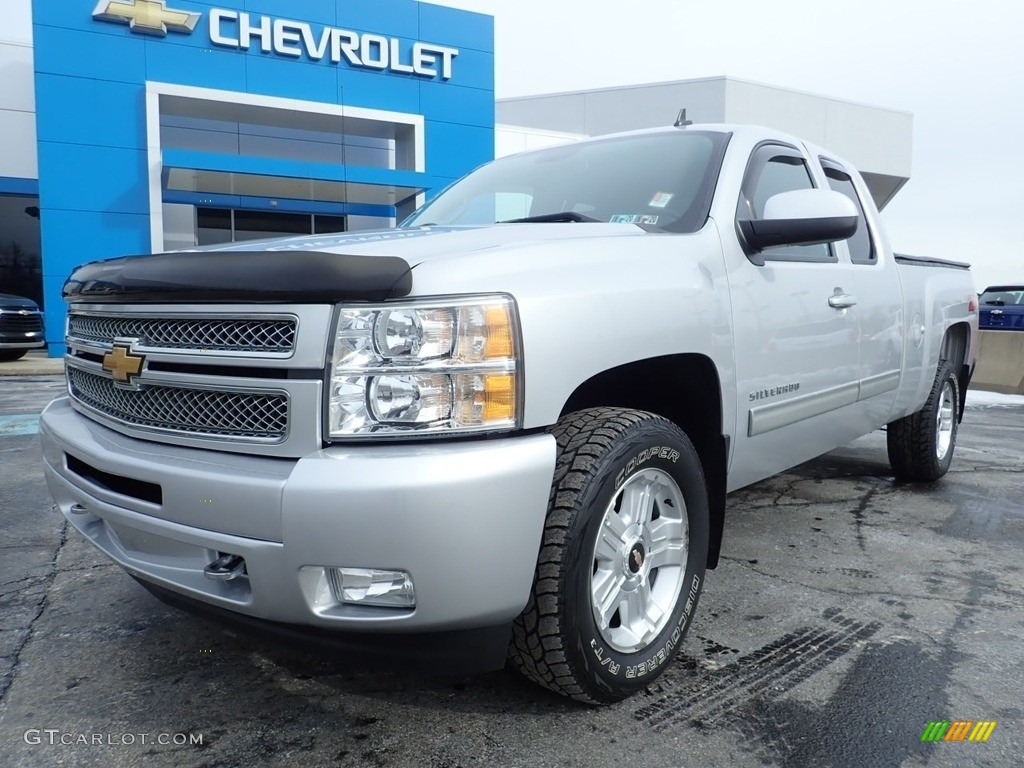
957	66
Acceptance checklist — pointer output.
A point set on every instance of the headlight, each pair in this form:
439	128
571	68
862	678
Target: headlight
431	367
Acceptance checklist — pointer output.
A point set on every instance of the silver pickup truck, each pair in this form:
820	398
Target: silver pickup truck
507	428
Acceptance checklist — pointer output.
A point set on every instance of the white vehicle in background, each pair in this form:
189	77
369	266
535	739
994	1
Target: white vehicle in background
485	436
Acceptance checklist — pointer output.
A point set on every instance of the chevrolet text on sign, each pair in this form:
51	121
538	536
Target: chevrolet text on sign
237	29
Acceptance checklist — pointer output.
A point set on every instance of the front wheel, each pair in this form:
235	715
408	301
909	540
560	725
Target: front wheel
921	445
622	561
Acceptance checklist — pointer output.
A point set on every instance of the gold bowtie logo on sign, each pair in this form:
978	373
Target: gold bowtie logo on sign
151	17
122	364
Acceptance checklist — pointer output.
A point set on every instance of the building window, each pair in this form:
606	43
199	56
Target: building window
213	226
323	140
260	225
324	225
20	253
223	225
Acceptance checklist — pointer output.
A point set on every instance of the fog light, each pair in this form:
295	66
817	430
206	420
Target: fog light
369	586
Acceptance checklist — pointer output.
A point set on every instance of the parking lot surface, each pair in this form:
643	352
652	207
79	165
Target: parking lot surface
848	613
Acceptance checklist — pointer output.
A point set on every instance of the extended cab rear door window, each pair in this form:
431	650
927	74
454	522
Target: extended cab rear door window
775	168
861	245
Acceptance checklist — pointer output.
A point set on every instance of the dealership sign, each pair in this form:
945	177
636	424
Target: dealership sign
240	30
150	17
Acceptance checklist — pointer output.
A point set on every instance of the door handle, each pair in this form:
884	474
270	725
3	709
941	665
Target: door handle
842	301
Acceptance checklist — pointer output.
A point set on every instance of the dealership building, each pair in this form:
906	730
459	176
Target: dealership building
134	126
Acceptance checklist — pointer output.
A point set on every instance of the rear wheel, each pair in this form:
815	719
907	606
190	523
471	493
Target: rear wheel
921	445
622	562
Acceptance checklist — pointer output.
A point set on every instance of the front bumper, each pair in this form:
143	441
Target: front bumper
457	651
10	342
464	518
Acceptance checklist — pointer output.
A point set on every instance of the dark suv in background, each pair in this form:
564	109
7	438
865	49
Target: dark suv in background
1002	308
21	326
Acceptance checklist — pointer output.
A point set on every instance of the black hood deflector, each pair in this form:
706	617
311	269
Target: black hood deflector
256	276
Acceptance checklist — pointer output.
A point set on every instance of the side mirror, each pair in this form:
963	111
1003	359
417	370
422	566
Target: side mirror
801	217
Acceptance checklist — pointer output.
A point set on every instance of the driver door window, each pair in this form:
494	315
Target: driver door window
774	169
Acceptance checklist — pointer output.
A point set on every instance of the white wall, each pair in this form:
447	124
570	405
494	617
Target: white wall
872	138
179	226
509	139
17	93
17	21
620	108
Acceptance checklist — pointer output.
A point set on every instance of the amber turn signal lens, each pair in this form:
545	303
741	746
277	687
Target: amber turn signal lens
499	397
499	332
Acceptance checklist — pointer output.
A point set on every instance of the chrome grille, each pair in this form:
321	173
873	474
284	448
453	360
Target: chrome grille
220	334
197	412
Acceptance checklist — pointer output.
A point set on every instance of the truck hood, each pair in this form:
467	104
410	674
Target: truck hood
10	301
422	244
364	266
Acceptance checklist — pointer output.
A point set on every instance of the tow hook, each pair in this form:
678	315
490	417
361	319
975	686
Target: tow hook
225	568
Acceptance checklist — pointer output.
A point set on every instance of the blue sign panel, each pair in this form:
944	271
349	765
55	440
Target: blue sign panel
96	65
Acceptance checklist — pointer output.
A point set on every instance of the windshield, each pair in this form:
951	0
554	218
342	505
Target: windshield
664	180
1003	297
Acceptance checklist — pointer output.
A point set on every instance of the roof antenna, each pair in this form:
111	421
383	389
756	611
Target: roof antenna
681	121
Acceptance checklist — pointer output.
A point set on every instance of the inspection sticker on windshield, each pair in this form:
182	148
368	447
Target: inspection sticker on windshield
660	199
633	218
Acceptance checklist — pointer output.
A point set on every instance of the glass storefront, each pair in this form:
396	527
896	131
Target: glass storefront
222	225
20	262
325	140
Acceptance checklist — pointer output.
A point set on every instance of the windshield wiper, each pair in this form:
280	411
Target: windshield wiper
552	217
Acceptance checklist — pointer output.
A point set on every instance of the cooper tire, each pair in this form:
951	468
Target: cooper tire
921	445
606	616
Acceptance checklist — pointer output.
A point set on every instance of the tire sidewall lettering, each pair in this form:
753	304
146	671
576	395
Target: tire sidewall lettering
658	451
635	668
665	652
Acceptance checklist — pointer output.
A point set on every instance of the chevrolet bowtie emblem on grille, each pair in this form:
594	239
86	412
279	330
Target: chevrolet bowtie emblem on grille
122	364
151	17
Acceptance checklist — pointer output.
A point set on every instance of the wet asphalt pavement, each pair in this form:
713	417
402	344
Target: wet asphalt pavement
848	613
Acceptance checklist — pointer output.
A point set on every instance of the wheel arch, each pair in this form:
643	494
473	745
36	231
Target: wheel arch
954	348
669	386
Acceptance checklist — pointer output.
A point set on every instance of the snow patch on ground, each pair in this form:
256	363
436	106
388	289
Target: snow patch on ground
977	398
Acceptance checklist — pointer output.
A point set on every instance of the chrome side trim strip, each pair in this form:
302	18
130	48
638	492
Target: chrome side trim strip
766	418
880	384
